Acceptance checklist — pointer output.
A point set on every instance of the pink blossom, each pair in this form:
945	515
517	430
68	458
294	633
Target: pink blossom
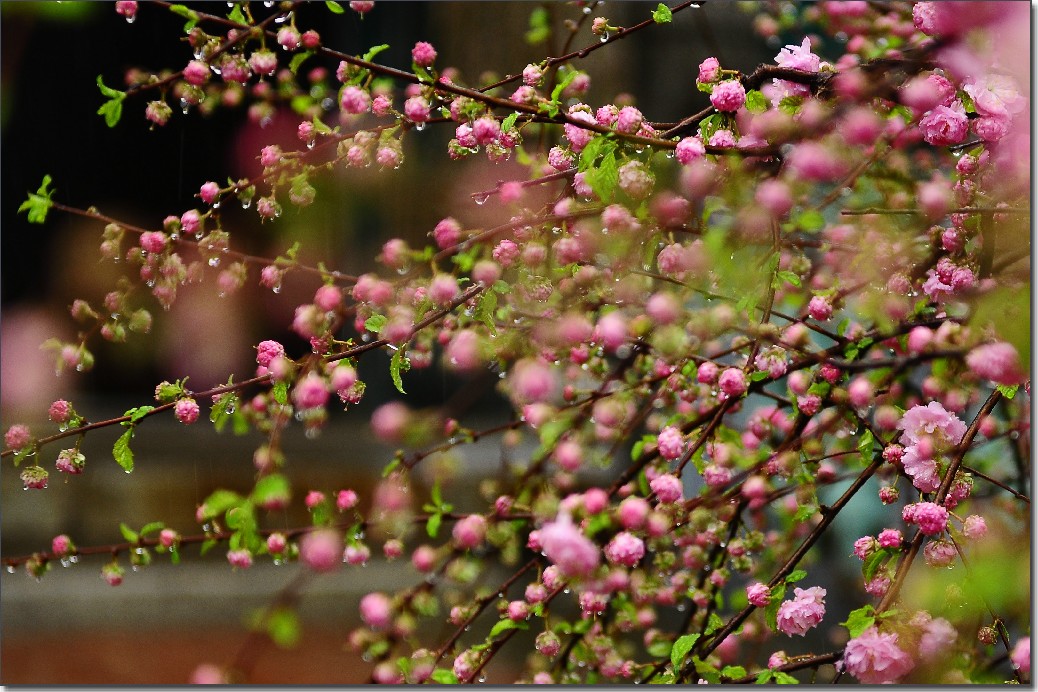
127	8
864	546
931	518
568	548
667	487
929	420
443	288
728	96
633	512
532	75
376	610
937	640
1021	655
486	130
447	233
732	382
196	73
890	538
758	594
311	392
802	613
389	421
716	475
924	17
945	125
423	54
59	411
629	119
799	57
17	436
939	553
346	499
470	531
532	381
709	71
267	351
240	559
689	149
70	461
625	549
706	373
875	658
548	643
355	100
416	109
321	550
186	410
62	545
921	469
670	442
974	527
997	362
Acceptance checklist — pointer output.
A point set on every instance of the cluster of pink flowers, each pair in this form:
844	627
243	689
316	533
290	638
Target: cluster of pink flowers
875	658
566	546
928	432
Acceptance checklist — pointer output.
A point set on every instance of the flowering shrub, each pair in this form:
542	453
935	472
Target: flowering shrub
713	334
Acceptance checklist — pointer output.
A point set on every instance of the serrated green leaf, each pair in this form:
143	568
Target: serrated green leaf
764	676
865	445
375	323
805	512
679	650
334	7
432	526
784	678
397	364
733	672
663	679
509	122
662	15
795	576
38	203
714	623
444	677
235	14
112	111
860	620
280	392
129	534
152	527
122	453
789	277
756	102
1008	391
505	625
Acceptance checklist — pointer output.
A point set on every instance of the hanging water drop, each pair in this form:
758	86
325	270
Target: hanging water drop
246	203
310	144
481	199
419	126
10	569
131	19
277	289
214	261
216	204
268	3
605	37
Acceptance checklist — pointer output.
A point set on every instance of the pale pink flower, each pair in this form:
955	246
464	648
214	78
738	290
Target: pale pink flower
376	610
802	613
625	549
758	594
667	487
928	420
568	548
997	362
1021	655
875	658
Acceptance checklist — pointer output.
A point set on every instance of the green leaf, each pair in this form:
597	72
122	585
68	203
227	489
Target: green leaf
485	309
714	623
129	534
152	527
756	102
283	628
235	15
274	486
789	277
663	679
375	323
509	122
733	672
436	494
805	512
397	364
682	645
373	51
444	677
190	15
432	526
505	625
563	83
280	392
137	413
784	678
764	676
174	554
298	59
795	576
811	220
662	15
335	7
865	445
860	620
1007	391
122	453
38	203
219	501
540	26
112	111
873	562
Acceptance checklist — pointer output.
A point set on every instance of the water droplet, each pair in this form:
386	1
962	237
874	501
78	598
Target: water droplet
214	261
276	289
10	569
131	19
482	678
283	18
63	427
587	9
419	126
605	37
216	205
268	3
246	203
184	106
310	144
481	199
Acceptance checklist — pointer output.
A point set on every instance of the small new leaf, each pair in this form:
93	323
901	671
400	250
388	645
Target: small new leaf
39	202
505	625
298	60
152	527
129	534
795	576
444	677
375	50
122	453
187	13
397	364
137	413
375	323
334	7
1007	391
662	15
432	526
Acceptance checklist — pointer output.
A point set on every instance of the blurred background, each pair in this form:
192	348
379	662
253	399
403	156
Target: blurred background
155	628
